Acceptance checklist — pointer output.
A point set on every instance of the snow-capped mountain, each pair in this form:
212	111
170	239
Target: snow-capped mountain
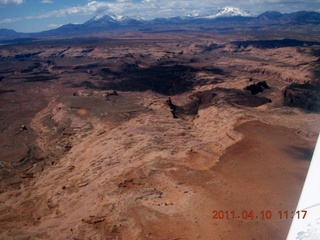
224	12
229	12
113	18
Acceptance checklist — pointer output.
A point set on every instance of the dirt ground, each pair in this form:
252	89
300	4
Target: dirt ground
92	147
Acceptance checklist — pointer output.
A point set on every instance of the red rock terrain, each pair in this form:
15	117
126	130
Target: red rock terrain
91	148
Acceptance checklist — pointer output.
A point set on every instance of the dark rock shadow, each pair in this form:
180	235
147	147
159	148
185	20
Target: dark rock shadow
41	78
265	44
230	96
6	91
304	96
215	96
189	109
300	153
166	80
316	73
86	84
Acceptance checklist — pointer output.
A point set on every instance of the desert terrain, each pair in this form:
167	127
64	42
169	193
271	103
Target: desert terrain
153	135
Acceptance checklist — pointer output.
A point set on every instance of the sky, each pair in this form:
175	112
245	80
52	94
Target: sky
40	15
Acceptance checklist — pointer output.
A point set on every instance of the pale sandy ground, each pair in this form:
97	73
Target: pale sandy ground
146	175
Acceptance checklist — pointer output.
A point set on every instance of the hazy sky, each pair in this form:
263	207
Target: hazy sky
39	15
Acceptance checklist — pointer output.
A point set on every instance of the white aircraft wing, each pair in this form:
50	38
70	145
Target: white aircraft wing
306	221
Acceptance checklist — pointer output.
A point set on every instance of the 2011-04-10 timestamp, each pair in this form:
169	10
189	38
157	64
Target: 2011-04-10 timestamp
263	214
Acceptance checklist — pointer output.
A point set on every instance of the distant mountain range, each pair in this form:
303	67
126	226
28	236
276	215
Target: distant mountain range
228	18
